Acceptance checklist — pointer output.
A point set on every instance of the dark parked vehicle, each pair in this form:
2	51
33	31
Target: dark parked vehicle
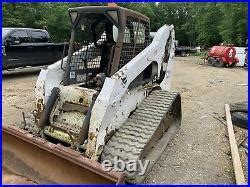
183	50
29	47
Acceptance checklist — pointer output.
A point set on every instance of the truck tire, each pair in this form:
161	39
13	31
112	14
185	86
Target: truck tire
218	62
239	107
240	119
233	65
183	54
210	61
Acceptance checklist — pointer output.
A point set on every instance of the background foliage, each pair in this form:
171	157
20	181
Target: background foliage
195	24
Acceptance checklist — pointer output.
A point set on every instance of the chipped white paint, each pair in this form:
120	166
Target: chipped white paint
115	101
115	90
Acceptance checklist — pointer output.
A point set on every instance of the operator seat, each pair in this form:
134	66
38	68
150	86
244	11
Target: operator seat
107	50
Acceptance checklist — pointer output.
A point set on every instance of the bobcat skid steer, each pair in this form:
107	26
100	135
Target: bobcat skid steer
108	100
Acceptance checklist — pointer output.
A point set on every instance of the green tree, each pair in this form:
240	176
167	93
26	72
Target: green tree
233	25
206	24
195	23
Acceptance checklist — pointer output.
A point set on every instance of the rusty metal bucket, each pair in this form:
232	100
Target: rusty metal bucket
44	162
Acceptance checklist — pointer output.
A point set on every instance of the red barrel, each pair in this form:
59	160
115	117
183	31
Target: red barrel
226	53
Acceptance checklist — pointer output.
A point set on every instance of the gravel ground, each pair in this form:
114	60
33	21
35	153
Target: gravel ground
18	94
200	151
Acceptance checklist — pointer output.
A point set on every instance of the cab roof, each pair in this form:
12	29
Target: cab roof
102	9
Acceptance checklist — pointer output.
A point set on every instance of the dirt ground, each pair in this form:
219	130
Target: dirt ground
200	151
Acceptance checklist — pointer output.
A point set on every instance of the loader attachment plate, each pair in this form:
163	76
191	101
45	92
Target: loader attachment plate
44	162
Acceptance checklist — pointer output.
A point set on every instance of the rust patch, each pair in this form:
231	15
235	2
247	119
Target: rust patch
91	135
88	171
39	108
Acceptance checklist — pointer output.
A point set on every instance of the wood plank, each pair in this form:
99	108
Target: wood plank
238	171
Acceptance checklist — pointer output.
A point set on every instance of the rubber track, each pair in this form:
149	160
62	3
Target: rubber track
129	141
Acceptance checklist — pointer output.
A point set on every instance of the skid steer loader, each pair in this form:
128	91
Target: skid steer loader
108	99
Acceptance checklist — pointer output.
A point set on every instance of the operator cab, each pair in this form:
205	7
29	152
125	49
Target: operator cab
105	39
